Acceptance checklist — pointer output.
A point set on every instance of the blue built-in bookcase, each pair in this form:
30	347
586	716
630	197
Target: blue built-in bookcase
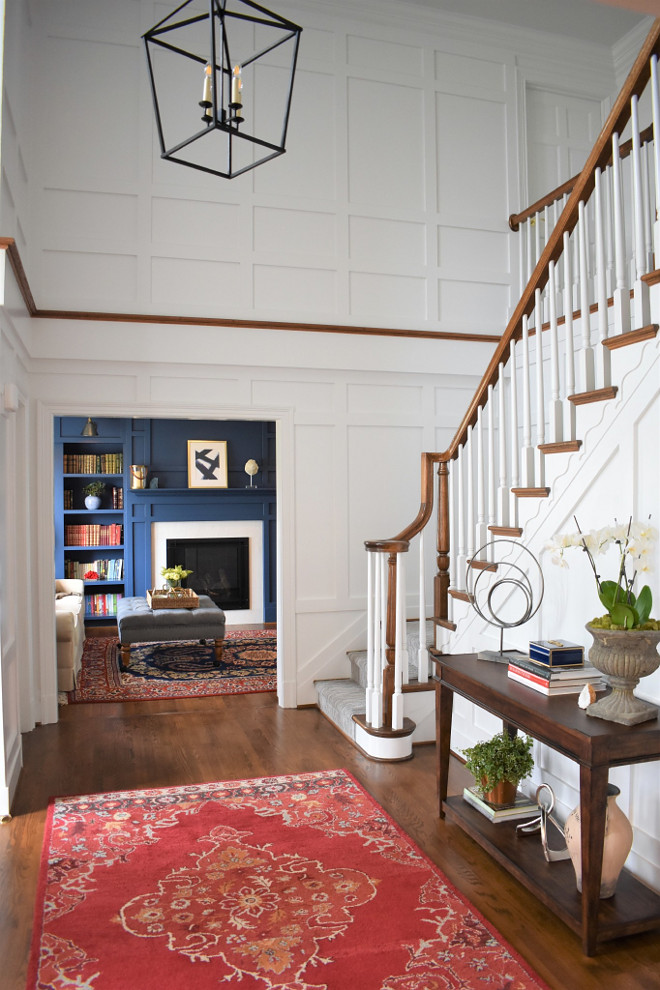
161	445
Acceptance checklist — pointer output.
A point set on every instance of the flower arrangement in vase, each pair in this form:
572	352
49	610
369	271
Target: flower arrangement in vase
174	575
626	639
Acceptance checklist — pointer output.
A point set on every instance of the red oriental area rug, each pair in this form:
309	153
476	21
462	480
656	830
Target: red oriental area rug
177	670
281	883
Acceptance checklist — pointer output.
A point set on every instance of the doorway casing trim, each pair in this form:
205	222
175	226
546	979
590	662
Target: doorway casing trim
285	541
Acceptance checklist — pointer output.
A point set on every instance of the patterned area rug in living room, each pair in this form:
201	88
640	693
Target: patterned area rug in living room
298	882
177	670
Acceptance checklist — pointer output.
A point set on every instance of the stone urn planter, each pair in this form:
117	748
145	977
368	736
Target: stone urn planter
624	656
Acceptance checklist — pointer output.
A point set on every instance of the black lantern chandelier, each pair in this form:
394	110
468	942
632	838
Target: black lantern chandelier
241	59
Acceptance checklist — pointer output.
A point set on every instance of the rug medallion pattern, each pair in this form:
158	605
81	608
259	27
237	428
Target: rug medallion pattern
177	670
284	883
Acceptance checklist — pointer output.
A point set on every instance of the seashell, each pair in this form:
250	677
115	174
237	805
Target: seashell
587	696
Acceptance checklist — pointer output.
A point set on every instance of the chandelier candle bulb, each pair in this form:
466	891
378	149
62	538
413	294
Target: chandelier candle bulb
236	87
207	99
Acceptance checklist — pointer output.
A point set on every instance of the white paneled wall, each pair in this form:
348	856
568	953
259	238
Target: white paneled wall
389	209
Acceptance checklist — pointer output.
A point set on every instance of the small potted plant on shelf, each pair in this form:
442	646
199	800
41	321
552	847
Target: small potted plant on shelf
498	765
93	492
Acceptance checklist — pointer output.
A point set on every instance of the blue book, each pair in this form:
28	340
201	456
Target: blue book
556	653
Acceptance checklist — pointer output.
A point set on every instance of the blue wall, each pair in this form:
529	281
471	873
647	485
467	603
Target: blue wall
162	444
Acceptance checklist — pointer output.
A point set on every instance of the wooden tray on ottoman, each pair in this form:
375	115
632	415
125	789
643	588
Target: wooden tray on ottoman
181	598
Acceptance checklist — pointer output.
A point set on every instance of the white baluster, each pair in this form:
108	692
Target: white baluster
461	556
469	515
555	411
609	234
422	650
482	527
568	330
601	283
540	389
527	452
503	494
401	612
522	242
379	645
515	439
453	525
655	98
641	291
530	254
587	354
646	195
621	288
371	612
397	697
492	488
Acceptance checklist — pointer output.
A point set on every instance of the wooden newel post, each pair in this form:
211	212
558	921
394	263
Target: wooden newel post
441	581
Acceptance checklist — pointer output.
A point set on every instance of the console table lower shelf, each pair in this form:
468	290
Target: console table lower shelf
633	908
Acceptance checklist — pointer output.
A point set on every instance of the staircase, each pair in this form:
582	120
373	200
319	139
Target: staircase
578	361
342	701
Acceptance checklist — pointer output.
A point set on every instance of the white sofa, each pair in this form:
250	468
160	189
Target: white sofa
70	627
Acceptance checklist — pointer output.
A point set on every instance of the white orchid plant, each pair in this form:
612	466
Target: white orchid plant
635	545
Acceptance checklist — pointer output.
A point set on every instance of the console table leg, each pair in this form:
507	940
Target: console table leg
125	655
593	808
444	705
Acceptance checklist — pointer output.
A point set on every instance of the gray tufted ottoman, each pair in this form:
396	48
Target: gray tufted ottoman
138	623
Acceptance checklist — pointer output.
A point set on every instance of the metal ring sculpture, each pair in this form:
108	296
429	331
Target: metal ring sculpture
482	598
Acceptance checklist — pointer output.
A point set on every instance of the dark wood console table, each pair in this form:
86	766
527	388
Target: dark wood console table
596	745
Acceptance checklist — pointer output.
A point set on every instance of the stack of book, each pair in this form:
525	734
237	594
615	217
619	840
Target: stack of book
554	680
523	807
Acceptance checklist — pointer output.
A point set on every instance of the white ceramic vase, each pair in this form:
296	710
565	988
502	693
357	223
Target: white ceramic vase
92	502
617	844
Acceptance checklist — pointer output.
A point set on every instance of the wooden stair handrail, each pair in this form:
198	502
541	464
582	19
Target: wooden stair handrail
624	150
598	157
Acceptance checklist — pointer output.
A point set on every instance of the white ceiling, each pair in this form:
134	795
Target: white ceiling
601	21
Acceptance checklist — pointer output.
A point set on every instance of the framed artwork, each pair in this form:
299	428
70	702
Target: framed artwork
207	464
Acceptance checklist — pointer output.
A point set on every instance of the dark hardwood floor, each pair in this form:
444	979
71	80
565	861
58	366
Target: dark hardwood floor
120	746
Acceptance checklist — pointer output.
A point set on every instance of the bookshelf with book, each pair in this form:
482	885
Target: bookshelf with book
89	543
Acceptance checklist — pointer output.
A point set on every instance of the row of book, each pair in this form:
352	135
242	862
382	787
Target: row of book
94	535
116	495
93	463
101	605
105	570
552	681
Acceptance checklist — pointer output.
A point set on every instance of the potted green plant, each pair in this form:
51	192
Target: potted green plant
499	764
626	639
93	492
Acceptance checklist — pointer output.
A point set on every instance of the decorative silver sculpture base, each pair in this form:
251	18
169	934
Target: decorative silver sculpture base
503	656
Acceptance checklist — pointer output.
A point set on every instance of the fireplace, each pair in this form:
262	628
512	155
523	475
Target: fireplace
220	568
250	531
